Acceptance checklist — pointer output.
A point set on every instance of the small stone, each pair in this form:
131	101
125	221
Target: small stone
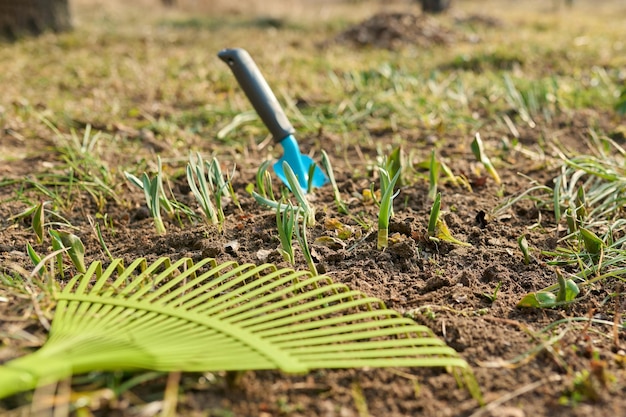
263	254
232	247
460	298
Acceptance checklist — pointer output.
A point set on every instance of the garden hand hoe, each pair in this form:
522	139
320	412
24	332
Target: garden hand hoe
266	105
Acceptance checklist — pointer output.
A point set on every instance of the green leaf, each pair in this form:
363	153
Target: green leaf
581	204
57	246
479	152
593	244
285	222
395	162
571	290
34	256
328	168
151	191
443	233
205	317
568	290
448	173
304	246
433	176
385	211
264	180
308	211
434	215
74	246
165	203
538	300
199	187
522	242
570	217
133	179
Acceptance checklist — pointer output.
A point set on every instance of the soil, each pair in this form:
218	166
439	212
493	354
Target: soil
393	30
440	285
521	371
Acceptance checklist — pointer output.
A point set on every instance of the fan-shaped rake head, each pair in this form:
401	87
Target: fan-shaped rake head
181	316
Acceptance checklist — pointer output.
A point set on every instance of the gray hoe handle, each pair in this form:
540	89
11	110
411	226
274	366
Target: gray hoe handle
258	92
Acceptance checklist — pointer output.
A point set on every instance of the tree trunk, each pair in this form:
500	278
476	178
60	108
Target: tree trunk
33	17
434	6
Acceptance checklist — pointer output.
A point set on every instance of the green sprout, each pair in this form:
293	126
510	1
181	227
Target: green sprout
341	206
154	194
164	201
96	227
385	211
74	247
395	163
541	299
310	176
220	185
571	218
433	176
304	245
449	175
493	296
481	156
286	219
445	234
265	196
209	186
202	190
522	242
231	189
437	227
38	221
593	244
40	263
308	211
34	257
39	214
567	291
434	216
581	203
264	181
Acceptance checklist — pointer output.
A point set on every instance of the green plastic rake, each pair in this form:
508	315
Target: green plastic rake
181	316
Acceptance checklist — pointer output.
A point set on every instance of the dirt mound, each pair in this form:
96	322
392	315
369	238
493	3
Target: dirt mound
479	20
392	30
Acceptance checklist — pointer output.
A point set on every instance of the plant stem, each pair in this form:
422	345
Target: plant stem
304	245
386	206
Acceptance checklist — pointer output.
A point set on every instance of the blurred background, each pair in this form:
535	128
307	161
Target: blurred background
20	17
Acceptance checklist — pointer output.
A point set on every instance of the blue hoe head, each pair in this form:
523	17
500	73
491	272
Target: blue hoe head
299	164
